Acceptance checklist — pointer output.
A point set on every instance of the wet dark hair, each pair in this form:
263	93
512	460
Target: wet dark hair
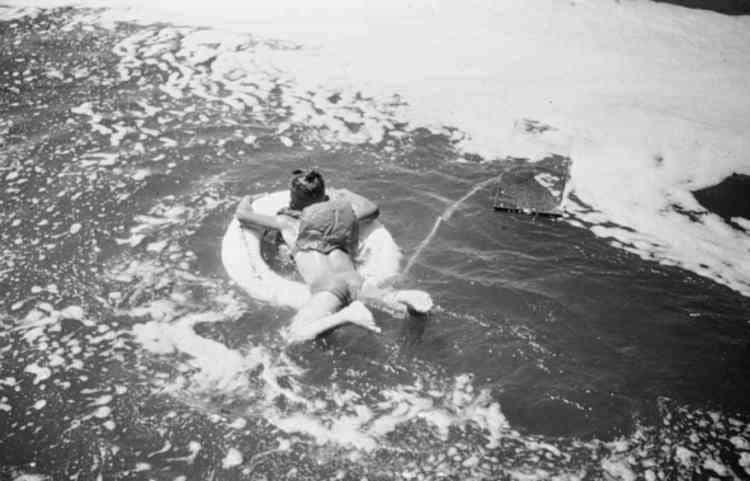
306	188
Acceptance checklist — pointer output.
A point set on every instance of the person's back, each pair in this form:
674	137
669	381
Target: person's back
328	225
323	234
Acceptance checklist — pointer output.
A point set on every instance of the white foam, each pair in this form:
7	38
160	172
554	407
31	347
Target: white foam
340	433
618	470
742	222
548	181
740	443
102	400
194	447
238	423
355	422
684	456
31	477
40	373
648	99
715	466
233	458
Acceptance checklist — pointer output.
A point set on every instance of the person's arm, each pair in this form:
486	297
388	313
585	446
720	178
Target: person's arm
250	219
365	209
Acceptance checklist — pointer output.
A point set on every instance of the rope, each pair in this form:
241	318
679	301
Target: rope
444	217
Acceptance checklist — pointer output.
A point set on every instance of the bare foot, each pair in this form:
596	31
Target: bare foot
418	301
357	313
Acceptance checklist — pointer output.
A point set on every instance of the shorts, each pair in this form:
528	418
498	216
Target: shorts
327	226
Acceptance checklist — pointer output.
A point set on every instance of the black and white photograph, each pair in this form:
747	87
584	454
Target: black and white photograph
374	240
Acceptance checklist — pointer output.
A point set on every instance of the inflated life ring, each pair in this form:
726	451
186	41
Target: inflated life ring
378	257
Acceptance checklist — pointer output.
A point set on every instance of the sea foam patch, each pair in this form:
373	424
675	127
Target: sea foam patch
271	385
621	86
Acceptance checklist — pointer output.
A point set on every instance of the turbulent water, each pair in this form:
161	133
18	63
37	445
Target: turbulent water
612	344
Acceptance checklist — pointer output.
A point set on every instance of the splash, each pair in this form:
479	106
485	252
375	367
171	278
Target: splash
258	375
265	378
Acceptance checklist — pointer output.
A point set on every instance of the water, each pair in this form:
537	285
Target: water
444	217
126	352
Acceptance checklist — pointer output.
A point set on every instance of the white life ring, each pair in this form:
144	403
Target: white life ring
378	258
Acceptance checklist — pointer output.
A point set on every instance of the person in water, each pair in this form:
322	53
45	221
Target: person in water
323	233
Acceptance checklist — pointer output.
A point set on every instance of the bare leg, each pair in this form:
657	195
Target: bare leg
320	314
396	302
416	300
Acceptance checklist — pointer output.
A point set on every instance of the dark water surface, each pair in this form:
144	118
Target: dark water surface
728	7
551	353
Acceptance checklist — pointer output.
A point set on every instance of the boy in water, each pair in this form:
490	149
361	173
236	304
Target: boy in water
323	234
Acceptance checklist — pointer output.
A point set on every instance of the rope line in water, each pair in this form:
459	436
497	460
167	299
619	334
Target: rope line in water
445	216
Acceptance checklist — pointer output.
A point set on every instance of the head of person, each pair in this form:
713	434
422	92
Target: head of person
306	188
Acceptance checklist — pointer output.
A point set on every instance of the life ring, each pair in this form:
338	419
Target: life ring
378	258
